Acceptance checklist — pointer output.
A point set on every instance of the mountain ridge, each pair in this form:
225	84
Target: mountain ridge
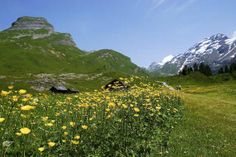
216	51
31	45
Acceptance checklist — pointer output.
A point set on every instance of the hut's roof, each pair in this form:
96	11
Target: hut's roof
60	88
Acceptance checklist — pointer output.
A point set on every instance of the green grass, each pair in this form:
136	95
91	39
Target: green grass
98	123
208	127
47	55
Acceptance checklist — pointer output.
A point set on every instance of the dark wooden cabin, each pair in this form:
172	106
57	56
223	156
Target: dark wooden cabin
116	85
63	90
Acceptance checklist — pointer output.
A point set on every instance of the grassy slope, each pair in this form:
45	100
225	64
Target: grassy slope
209	126
44	55
24	56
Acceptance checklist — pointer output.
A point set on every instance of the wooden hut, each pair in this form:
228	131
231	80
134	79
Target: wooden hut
63	90
115	85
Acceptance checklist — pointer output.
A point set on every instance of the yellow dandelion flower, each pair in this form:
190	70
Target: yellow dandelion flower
25	99
2	120
44	118
10	87
74	142
51	144
136	115
25	130
27	107
84	127
41	149
49	124
158	108
4	93
72	124
64	127
136	109
66	133
15	98
64	141
18	134
77	137
124	106
22	91
111	104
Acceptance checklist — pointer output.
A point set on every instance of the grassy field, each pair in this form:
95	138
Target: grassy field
209	124
96	123
206	129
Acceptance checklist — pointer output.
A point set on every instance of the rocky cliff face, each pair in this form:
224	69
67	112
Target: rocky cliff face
38	28
31	23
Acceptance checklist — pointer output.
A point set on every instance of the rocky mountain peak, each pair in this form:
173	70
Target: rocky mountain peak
218	36
31	23
217	50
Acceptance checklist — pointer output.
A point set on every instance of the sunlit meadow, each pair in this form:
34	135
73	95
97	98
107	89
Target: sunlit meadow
133	122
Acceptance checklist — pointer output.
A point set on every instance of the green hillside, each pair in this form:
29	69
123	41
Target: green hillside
47	55
31	47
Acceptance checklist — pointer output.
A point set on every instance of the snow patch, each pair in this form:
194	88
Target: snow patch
166	59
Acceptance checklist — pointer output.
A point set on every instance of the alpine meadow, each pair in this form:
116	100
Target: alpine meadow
102	88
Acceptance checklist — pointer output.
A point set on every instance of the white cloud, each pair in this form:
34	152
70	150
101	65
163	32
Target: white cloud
157	3
177	6
184	5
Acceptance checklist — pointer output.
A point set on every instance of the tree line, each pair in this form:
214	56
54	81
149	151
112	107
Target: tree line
228	68
206	70
202	68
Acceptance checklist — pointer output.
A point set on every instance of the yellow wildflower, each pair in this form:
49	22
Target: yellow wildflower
49	124
111	104
77	137
64	127
25	130
45	118
27	107
124	106
18	134
66	133
136	109
4	93
10	87
64	141
25	99
22	91
72	124
41	149
158	108
15	98
74	142
84	126
51	144
2	120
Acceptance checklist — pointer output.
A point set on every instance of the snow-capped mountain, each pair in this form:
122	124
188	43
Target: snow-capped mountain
154	65
216	51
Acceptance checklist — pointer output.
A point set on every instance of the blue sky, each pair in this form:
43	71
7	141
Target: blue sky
144	30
